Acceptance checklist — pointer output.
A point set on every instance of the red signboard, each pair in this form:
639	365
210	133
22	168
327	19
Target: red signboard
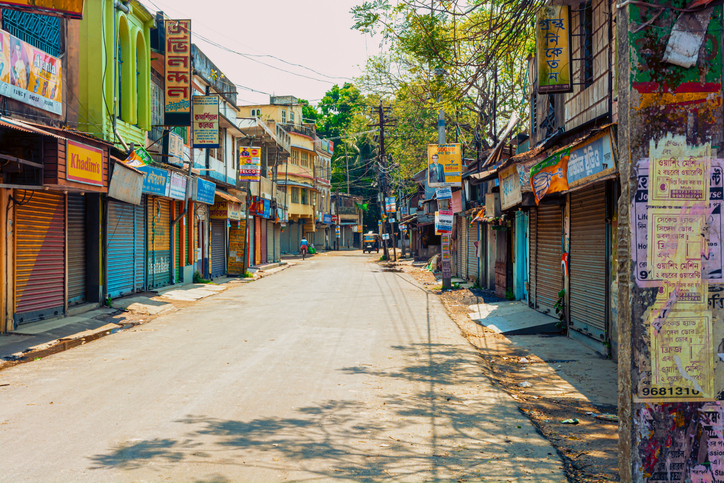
177	102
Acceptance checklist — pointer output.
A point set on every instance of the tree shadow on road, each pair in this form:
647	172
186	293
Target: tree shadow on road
441	427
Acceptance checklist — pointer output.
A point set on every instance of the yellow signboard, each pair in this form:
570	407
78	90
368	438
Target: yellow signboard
64	8
85	164
553	39
444	166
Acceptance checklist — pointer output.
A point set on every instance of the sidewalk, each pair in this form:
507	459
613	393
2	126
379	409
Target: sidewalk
46	337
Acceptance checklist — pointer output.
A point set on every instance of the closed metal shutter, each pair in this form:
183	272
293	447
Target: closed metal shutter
270	242
76	249
257	240
533	253
472	252
278	242
263	242
39	255
587	265
159	242
125	248
550	278
178	241
463	252
139	281
218	248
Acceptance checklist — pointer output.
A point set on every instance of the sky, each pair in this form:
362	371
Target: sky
315	34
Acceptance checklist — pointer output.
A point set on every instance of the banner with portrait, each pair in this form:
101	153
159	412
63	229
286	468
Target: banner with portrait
444	166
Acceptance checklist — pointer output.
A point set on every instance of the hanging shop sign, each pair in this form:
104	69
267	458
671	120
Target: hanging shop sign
126	184
59	8
385	236
85	163
177	188
444	221
226	210
327	219
591	160
173	148
205	125
553	41
30	75
249	164
203	191
390	204
444	193
177	99
156	181
550	175
510	193
444	165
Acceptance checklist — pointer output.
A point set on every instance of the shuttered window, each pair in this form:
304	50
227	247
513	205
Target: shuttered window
549	247
76	249
218	248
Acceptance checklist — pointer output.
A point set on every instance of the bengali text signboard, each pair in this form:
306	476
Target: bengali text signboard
205	125
177	99
444	221
510	194
155	181
553	39
591	160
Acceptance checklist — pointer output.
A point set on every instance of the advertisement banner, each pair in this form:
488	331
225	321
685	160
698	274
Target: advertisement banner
85	164
249	164
59	8
443	193
510	193
553	40
591	160
205	125
177	98
550	175
327	219
444	165
174	149
177	190
155	181
444	221
390	204
29	75
204	191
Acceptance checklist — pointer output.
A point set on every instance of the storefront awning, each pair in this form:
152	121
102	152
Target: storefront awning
284	182
19	125
226	196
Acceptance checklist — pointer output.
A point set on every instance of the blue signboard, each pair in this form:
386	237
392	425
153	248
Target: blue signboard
267	209
156	181
327	219
590	161
205	191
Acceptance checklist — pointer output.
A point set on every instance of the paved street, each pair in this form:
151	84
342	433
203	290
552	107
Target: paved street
333	370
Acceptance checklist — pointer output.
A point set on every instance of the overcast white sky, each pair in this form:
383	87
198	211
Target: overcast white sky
313	33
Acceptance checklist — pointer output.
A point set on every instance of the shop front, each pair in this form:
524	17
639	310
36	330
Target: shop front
225	212
157	185
203	194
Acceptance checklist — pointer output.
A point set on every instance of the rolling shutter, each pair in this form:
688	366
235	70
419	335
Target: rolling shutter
472	253
39	256
269	241
533	249
550	278
278	242
178	241
588	261
262	241
76	249
139	280
158	220
121	248
218	248
257	240
463	252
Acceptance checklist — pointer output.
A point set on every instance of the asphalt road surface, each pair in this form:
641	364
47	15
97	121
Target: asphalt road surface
332	370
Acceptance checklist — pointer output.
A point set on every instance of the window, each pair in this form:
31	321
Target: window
256	113
284	116
291	117
305	159
586	17
295	195
533	113
41	31
305	201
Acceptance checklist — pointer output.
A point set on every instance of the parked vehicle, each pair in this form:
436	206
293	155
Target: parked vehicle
371	242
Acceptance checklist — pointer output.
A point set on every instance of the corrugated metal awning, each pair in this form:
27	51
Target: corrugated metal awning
226	196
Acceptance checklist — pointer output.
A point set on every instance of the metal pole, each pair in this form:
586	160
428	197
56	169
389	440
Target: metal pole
443	204
346	162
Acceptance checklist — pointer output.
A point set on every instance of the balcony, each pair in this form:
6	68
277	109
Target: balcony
302	129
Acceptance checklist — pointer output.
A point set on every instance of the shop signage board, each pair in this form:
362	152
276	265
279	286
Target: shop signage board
385	236
550	175
30	75
327	219
444	221
591	160
444	165
177	190
205	125
85	163
60	8
126	184
249	164
204	191
225	210
174	149
553	41
456	203
390	204
156	181
444	193
177	98
510	192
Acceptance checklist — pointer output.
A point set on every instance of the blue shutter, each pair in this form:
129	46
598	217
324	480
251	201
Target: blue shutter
125	249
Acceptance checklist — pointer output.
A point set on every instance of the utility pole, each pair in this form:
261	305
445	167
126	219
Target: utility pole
337	225
346	162
443	205
383	175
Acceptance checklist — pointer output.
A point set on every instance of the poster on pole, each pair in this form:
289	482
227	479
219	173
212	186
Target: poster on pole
444	221
390	204
205	124
444	165
443	193
177	99
249	164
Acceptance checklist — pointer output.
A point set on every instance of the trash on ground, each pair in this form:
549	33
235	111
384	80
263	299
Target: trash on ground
525	384
523	360
607	417
569	421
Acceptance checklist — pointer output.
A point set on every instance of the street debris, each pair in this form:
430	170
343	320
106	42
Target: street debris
570	421
525	384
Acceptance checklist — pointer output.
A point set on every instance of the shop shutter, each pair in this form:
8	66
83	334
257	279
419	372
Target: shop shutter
587	264
39	255
263	241
76	249
472	252
218	248
185	228
257	240
550	278
125	248
140	243
270	242
463	251
178	241
278	242
533	253
158	220
286	239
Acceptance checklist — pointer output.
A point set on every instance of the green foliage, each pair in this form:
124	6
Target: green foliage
247	274
560	307
509	295
198	278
